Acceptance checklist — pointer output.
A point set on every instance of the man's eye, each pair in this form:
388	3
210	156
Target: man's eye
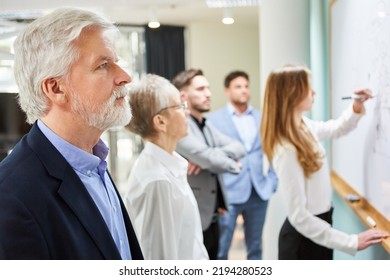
102	66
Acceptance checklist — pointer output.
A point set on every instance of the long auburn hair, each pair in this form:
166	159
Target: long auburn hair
286	88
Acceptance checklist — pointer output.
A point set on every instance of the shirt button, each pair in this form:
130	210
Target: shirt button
114	208
89	172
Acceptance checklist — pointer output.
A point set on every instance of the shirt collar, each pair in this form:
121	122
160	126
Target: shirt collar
201	124
79	159
232	110
175	163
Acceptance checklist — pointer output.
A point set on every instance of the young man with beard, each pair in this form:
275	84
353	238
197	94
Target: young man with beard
57	199
249	191
210	153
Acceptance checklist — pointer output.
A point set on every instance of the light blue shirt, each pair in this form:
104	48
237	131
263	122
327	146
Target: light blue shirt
245	125
92	170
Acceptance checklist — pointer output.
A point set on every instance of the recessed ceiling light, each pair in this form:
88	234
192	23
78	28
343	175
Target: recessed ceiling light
153	21
154	24
228	20
227	16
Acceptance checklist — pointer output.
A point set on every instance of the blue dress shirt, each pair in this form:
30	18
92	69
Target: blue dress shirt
92	170
245	125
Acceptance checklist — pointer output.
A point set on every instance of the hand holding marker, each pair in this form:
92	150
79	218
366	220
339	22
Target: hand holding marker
359	96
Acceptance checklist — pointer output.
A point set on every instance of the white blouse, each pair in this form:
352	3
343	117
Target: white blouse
163	208
306	197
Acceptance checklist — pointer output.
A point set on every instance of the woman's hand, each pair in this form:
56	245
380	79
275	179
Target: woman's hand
370	237
364	94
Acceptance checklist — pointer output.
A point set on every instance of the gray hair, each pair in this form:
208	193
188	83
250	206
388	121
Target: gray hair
147	97
45	50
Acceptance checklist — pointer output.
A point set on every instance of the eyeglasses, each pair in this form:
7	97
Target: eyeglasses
183	105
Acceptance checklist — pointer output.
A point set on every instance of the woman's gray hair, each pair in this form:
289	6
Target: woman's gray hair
148	97
45	50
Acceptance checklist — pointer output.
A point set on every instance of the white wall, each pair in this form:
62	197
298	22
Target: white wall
284	28
218	49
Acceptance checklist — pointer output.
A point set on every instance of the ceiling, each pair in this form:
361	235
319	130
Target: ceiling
137	12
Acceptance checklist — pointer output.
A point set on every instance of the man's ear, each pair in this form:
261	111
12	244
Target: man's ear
53	89
159	123
183	95
226	91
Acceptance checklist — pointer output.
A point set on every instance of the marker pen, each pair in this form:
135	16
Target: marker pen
354	96
371	221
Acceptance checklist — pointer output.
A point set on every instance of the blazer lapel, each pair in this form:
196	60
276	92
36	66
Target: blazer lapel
74	193
78	199
257	141
230	126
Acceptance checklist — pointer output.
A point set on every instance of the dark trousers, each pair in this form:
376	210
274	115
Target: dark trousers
294	246
211	239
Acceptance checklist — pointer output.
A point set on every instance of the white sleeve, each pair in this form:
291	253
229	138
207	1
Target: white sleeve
335	128
292	188
157	213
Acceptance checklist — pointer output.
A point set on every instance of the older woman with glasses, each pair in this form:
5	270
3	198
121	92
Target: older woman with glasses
159	198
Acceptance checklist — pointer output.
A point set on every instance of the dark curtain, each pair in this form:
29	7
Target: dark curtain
165	50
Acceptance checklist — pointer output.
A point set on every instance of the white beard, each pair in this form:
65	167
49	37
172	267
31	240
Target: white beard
106	115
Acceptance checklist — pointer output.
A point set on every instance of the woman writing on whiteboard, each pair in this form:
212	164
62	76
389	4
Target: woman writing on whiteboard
291	143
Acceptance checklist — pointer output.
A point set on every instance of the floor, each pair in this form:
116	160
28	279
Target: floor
238	250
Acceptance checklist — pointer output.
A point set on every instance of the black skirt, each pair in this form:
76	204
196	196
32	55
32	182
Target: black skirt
294	246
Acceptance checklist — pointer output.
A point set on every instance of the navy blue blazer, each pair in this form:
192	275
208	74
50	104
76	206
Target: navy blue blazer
45	210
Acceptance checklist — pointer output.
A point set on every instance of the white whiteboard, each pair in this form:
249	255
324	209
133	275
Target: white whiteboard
360	57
